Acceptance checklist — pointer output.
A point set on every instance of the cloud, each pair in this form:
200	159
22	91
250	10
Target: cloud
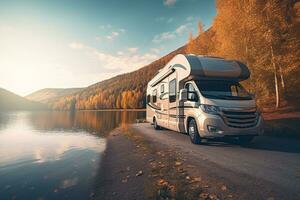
111	36
121	62
183	28
120	53
98	38
190	18
164	36
170	20
124	62
133	49
107	26
170	35
169	2
155	50
164	19
113	32
160	19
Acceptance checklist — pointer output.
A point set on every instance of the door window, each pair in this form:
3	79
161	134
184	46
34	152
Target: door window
172	91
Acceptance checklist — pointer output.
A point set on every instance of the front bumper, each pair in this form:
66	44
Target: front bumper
223	129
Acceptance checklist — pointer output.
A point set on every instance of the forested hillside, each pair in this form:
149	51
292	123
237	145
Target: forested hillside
51	94
123	91
264	34
10	101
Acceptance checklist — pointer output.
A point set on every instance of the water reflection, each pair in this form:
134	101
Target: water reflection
97	122
54	155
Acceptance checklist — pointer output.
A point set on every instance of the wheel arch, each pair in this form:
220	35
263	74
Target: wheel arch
186	124
188	118
154	117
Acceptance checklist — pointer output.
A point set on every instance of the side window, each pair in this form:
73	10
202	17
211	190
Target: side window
148	98
162	88
172	91
192	94
190	87
154	94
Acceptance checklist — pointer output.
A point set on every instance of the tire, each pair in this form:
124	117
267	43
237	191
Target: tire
155	125
193	132
245	139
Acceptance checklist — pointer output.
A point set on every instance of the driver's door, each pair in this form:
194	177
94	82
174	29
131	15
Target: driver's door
192	96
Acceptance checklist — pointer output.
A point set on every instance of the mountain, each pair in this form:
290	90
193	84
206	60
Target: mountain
50	94
268	42
11	101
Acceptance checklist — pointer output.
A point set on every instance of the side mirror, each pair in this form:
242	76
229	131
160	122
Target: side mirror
183	95
193	97
252	95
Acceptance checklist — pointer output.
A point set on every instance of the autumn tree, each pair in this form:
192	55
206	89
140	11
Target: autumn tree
118	103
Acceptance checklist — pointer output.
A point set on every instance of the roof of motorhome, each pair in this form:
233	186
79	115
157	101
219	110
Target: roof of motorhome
203	67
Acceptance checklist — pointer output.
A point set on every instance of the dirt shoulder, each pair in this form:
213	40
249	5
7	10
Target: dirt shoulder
135	168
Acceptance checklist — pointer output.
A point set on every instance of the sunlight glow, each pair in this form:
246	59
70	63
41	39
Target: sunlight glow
30	59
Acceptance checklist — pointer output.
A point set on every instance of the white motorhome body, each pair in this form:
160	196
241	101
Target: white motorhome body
202	96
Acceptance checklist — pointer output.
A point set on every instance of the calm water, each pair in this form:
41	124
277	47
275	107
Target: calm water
54	155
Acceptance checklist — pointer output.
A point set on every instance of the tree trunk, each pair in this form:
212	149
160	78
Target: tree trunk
282	82
275	79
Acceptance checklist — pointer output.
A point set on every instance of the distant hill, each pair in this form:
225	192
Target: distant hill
11	101
50	94
122	91
268	42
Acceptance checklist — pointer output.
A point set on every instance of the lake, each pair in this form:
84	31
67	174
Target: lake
55	155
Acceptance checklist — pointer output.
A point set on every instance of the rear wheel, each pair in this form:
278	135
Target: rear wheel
245	139
193	132
155	125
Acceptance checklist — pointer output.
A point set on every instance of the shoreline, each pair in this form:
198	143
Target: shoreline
138	166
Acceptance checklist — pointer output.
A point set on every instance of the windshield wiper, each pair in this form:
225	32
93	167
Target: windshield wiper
234	97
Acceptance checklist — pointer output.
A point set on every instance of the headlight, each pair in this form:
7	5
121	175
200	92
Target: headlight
210	109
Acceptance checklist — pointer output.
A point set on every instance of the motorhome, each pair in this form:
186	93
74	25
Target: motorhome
203	97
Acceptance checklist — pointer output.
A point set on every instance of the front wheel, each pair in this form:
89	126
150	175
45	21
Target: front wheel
193	132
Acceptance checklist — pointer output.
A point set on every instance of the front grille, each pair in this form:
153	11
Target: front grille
240	118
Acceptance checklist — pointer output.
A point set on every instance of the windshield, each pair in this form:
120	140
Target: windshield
223	90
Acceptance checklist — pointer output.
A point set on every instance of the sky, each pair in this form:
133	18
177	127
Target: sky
75	43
